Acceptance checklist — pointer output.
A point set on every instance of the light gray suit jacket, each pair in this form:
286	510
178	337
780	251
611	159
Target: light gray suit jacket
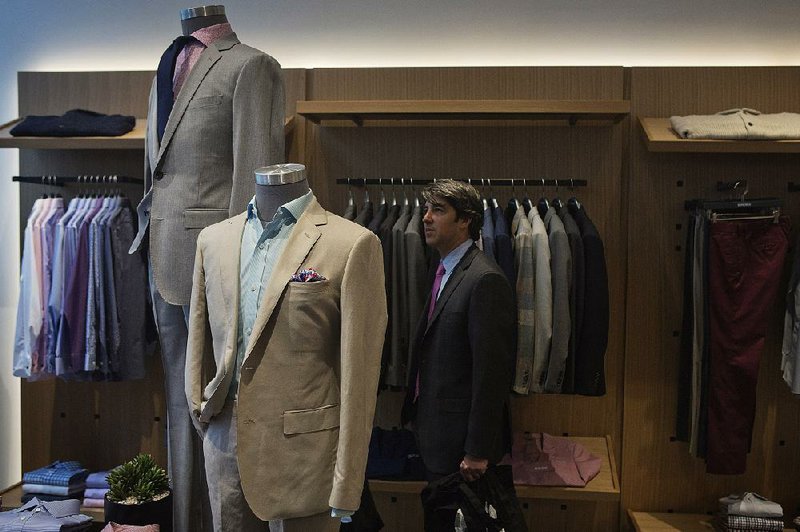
227	121
561	273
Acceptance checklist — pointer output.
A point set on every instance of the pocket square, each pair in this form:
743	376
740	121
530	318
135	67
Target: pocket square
309	275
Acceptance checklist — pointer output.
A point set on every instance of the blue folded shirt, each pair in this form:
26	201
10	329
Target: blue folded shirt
67	473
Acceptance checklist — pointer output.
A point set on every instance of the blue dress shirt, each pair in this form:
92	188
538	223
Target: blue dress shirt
261	247
451	261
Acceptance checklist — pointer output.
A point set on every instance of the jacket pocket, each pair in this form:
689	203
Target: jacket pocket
200	218
205	101
310	419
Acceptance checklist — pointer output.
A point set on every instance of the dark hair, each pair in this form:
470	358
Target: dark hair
462	197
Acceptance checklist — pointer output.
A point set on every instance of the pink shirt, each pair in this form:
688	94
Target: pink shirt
539	459
114	527
191	52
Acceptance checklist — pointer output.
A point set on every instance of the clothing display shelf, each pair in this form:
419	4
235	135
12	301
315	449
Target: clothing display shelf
603	487
129	141
361	111
12	498
133	140
660	137
672	522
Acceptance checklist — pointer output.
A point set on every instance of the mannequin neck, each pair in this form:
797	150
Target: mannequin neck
269	198
191	25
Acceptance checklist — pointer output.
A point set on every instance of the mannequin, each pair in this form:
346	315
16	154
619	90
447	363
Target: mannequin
291	314
216	112
278	184
194	18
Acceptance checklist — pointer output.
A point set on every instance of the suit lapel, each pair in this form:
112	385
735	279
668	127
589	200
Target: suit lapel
304	235
207	59
452	283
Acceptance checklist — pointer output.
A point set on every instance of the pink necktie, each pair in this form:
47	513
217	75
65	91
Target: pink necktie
437	282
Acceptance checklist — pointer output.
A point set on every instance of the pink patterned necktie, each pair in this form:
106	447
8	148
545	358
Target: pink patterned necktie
437	282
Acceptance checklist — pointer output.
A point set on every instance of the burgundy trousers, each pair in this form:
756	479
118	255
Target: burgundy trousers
745	262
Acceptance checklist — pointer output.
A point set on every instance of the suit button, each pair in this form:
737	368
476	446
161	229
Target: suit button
158	174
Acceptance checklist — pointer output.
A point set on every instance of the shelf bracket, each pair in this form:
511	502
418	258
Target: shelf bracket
357	120
573	119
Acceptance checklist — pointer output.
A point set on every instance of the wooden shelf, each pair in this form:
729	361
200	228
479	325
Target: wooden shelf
130	141
660	137
360	111
603	487
133	140
671	522
12	498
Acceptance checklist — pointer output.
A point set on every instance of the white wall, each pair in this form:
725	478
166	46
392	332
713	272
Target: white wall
129	35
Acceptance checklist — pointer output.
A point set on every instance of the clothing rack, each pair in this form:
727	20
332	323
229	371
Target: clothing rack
394	181
60	181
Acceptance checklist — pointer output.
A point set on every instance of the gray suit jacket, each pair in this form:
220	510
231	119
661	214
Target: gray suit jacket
561	272
227	121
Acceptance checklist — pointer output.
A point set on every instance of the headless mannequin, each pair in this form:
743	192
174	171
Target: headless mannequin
194	18
277	185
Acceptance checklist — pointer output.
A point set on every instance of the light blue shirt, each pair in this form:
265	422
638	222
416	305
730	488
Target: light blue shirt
451	261
261	247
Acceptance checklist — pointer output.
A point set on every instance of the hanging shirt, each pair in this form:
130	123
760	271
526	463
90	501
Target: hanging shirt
262	244
29	316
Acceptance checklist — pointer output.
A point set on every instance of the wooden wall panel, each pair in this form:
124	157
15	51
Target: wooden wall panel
499	150
99	424
659	474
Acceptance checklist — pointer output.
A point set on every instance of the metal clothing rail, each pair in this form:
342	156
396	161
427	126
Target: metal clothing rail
360	182
61	180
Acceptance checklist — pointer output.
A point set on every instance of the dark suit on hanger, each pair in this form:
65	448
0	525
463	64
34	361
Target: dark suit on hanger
465	356
593	336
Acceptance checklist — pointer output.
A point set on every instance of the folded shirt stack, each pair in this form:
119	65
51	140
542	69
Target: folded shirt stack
96	489
37	515
60	480
748	511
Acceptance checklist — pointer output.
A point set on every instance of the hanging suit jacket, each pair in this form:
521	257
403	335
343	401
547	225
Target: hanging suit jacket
561	274
593	336
227	121
465	356
309	377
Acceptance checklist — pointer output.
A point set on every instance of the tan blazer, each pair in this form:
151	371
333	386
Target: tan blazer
309	377
227	121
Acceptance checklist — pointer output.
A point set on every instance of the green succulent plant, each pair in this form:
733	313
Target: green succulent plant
138	481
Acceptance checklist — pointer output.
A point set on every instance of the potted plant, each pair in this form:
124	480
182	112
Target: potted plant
139	494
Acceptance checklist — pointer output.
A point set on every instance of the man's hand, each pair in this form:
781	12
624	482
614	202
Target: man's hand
472	468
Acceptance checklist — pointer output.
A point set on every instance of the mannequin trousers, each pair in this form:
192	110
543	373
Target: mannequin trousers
228	506
191	509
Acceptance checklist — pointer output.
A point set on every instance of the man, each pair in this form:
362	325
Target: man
464	350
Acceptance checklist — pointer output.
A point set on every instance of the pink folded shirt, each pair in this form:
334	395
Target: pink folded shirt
114	527
539	459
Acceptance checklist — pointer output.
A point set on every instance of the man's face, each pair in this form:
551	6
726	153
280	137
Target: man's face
443	231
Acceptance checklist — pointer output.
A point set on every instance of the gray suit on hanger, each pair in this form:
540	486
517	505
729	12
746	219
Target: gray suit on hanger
226	122
561	272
